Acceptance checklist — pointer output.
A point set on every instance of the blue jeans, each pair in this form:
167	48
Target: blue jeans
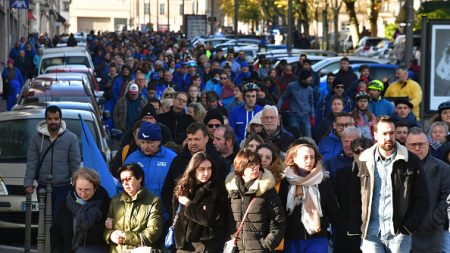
301	123
446	241
387	244
316	245
59	195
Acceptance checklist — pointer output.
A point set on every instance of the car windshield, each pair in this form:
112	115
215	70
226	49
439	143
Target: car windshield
68	60
15	136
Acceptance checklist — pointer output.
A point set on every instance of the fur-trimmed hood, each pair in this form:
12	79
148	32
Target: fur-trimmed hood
262	184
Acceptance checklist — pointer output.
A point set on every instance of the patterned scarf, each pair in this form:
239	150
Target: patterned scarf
305	190
85	214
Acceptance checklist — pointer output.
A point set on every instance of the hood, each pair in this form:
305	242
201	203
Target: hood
42	128
265	182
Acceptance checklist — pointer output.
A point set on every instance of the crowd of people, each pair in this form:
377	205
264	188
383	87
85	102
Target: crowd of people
221	149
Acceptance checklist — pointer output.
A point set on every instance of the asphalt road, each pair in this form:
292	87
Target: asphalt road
12	240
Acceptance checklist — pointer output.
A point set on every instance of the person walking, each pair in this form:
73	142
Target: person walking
393	198
54	150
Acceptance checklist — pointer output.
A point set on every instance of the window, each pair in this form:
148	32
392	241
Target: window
146	8
66	6
162	10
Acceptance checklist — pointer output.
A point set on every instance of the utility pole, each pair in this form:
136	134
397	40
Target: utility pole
236	10
409	6
168	16
212	17
289	30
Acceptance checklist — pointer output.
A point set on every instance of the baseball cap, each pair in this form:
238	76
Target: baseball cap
133	89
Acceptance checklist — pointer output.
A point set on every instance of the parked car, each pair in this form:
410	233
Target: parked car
370	46
16	129
377	71
65	56
72	87
81	41
331	64
93	80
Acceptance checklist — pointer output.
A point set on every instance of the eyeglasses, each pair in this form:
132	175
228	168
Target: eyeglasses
168	95
89	190
419	144
358	151
339	87
127	180
214	125
344	125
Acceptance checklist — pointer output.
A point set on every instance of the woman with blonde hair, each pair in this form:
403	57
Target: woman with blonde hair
200	197
197	111
309	200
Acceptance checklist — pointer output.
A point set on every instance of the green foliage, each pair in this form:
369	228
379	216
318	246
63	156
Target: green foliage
389	31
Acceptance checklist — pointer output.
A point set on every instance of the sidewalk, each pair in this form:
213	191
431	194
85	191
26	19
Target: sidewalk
9	249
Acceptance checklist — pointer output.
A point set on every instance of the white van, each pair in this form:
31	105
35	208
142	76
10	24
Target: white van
65	56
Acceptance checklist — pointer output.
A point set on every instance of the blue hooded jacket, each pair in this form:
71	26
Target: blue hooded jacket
330	146
240	118
381	107
155	169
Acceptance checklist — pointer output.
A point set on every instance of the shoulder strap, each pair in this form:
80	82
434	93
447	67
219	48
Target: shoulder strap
125	150
44	155
238	232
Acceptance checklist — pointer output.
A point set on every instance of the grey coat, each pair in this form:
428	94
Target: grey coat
61	162
429	236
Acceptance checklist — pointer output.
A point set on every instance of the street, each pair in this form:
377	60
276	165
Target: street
12	240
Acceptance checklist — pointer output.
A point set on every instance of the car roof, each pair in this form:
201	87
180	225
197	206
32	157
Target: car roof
77	67
61	104
64	50
61	76
40	112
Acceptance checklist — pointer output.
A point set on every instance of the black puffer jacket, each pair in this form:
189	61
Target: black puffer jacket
202	219
264	227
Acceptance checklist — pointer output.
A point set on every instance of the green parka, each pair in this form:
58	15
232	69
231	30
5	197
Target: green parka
139	217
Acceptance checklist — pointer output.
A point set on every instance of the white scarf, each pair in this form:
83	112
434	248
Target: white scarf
306	190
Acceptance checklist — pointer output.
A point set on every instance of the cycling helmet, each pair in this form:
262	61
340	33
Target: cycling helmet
444	106
250	87
192	64
376	85
362	95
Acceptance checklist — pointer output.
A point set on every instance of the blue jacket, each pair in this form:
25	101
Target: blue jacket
410	120
240	118
381	107
341	161
155	167
301	99
182	81
325	106
330	146
212	86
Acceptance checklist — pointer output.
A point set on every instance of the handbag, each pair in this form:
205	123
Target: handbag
169	241
231	245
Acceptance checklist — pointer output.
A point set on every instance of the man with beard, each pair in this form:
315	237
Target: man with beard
401	131
390	200
53	150
301	103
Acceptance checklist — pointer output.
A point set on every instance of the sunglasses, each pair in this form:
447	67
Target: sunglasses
358	151
168	95
214	125
339	87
